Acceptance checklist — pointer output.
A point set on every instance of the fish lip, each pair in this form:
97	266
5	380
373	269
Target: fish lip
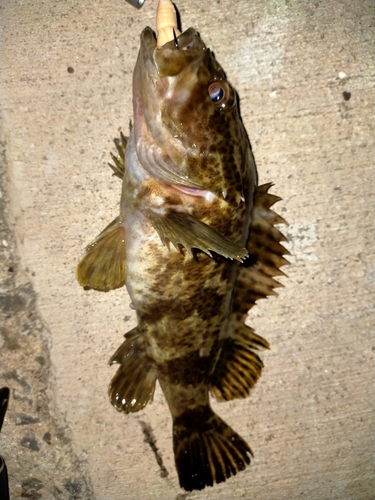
148	42
172	57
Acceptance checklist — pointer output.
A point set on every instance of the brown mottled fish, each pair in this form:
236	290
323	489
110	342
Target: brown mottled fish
195	245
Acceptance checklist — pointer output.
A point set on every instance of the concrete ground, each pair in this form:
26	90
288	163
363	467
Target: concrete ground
304	71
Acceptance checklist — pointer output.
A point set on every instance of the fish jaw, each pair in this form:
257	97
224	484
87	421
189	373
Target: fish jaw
182	136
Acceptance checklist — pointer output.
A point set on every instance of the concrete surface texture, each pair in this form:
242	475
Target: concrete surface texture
304	71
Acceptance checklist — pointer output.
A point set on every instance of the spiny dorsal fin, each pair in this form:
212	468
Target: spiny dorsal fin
103	267
119	161
256	277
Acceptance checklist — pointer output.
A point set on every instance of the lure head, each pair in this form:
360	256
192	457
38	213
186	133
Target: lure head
187	126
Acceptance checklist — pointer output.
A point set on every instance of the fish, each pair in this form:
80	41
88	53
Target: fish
195	244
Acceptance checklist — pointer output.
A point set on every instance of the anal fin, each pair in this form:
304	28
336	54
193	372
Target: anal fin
185	230
103	267
238	367
133	385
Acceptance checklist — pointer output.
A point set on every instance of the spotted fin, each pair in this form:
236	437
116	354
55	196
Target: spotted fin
133	385
103	267
256	277
186	231
238	367
206	449
119	161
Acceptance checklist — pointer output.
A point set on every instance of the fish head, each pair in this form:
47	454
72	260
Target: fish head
188	131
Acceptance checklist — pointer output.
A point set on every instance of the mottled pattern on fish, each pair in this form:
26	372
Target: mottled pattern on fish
196	245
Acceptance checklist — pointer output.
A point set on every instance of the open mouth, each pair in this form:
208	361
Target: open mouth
171	50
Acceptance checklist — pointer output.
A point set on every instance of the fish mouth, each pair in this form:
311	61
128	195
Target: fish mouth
177	54
161	152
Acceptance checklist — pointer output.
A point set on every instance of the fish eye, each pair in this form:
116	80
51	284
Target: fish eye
216	94
219	93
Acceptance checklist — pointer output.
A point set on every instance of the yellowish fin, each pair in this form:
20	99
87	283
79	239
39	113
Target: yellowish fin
186	231
133	385
206	449
103	267
238	367
119	161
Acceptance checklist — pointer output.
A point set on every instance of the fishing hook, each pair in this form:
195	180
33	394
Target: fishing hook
175	39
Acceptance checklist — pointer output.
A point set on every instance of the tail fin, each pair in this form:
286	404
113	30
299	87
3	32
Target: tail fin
206	449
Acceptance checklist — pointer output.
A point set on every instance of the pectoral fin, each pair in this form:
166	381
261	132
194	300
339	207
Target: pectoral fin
103	267
187	231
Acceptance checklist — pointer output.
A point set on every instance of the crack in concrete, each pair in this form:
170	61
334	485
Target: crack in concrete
37	448
151	440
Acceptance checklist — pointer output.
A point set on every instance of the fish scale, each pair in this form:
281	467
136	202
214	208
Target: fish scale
196	245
